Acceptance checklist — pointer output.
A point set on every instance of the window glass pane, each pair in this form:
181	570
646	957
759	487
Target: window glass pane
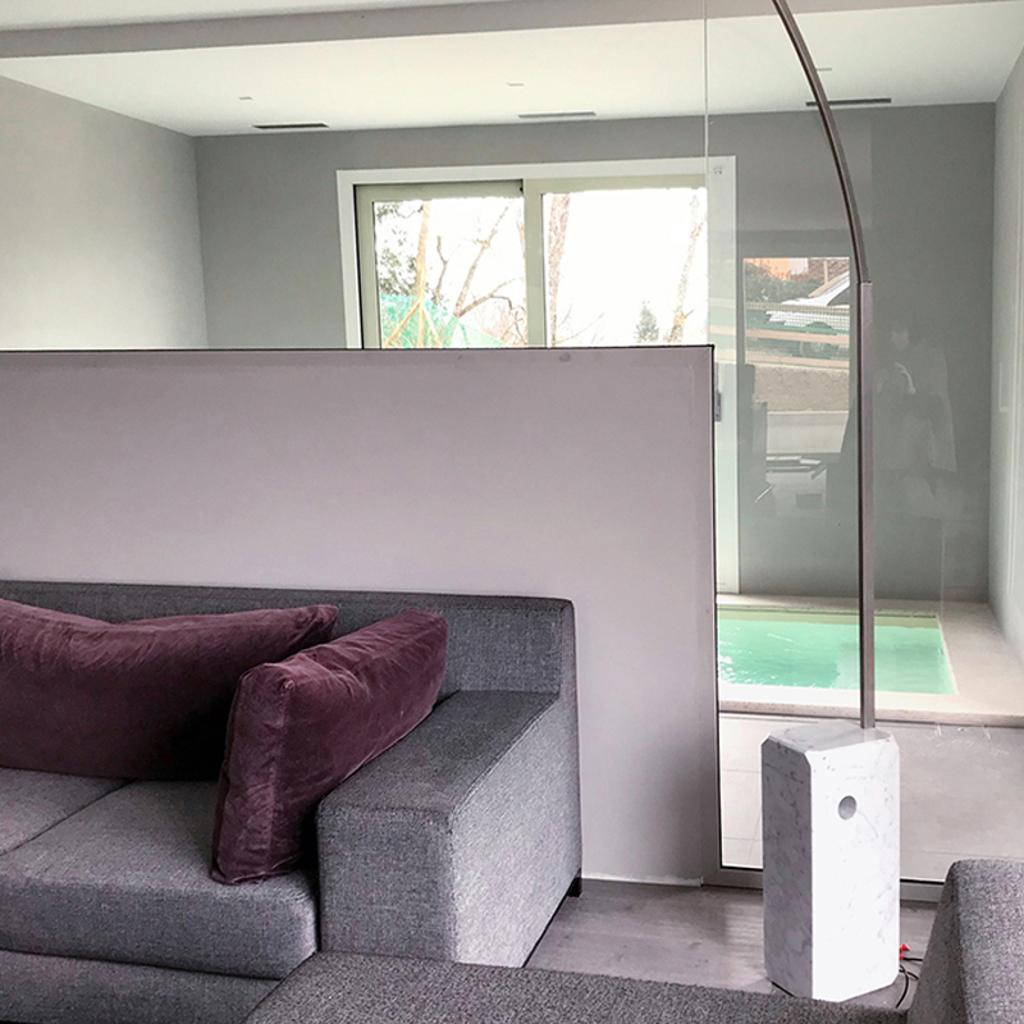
450	272
626	267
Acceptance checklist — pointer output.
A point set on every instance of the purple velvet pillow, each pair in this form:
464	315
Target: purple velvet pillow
134	700
299	728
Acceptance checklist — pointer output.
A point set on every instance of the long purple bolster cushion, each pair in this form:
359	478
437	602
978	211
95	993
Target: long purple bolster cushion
135	700
301	727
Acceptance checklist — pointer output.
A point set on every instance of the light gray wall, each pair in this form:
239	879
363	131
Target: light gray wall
1007	564
268	208
268	204
473	472
271	255
99	228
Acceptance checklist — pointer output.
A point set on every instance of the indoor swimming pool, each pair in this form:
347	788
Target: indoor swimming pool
819	650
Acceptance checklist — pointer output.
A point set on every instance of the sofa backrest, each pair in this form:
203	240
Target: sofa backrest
973	971
495	643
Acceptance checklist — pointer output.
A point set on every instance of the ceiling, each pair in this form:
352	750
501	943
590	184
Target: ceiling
45	14
953	53
19	14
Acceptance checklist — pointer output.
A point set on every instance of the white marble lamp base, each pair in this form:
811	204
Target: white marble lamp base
830	803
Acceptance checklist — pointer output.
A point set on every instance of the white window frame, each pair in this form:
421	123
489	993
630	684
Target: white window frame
536	179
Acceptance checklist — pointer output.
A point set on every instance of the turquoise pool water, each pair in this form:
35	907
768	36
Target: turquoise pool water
819	650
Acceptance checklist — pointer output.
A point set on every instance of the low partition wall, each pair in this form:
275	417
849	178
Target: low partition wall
582	474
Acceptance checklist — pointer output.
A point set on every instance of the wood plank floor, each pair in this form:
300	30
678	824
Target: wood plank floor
706	936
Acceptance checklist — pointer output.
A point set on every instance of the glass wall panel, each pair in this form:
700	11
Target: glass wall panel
943	149
788	625
934	136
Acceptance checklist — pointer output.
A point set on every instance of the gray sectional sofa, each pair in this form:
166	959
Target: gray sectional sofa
457	844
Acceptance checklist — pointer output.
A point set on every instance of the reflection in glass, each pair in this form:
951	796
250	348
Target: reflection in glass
797	330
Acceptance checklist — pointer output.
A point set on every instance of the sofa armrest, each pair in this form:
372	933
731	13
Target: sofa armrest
973	971
460	841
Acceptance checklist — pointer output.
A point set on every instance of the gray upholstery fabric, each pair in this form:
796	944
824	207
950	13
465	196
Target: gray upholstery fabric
494	643
974	968
127	879
460	841
32	802
57	990
339	989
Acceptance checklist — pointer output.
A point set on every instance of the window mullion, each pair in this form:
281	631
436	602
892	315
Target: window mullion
533	231
367	269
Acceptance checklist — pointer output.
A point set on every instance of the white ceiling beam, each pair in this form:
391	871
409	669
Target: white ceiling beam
395	22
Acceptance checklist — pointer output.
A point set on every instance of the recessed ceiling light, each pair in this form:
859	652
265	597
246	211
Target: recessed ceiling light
557	115
245	99
290	126
860	101
515	85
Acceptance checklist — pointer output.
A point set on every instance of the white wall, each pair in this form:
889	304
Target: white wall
584	475
1007	526
99	228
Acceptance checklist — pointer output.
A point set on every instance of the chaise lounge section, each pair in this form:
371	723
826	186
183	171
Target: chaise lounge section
445	847
971	975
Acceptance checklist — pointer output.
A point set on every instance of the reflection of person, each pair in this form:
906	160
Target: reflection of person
915	445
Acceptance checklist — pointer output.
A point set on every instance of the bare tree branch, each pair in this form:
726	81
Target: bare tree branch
583	330
674	335
484	244
558	228
421	272
439	285
493	294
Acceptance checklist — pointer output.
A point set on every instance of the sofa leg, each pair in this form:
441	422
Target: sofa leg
576	887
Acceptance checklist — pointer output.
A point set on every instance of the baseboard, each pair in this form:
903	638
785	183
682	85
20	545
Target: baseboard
598	876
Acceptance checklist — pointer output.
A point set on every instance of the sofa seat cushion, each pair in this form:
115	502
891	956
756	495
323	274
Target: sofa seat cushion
32	802
127	879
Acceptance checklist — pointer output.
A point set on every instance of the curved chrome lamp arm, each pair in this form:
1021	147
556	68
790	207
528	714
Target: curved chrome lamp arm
865	380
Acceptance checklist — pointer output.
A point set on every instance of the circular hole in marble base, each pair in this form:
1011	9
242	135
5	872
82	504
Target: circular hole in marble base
847	808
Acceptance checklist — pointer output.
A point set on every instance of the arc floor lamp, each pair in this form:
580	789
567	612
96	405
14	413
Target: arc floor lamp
864	338
830	791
